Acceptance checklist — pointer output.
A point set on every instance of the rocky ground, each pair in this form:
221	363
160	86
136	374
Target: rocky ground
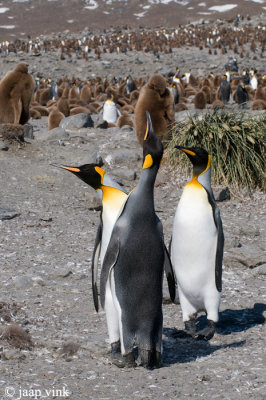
46	287
48	225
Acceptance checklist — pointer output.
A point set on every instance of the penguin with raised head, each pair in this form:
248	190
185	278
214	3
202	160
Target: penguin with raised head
197	247
132	270
113	198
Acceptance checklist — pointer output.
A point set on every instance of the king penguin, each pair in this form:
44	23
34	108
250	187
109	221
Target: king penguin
113	198
110	111
197	247
225	90
132	269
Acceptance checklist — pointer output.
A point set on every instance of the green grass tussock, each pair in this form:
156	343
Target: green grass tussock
235	142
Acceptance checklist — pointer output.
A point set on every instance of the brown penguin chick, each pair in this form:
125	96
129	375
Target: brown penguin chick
217	104
124	120
258	105
79	110
42	110
127	109
16	90
85	94
260	93
217	81
200	100
63	105
54	118
46	94
208	94
156	98
94	107
133	97
51	103
190	91
180	107
35	114
73	94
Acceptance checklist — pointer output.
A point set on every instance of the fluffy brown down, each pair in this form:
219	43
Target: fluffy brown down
156	98
55	118
16	90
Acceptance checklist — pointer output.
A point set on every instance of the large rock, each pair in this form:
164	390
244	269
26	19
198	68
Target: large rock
77	121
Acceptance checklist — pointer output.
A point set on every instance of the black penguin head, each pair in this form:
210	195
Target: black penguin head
152	146
92	174
199	157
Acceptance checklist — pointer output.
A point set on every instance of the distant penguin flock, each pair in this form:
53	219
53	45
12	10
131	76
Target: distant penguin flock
130	249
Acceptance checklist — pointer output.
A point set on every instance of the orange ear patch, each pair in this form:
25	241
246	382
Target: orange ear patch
147	162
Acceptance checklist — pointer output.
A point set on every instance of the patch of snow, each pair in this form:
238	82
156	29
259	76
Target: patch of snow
202	4
257	1
190	8
140	15
70	21
7	26
146	7
3	10
182	3
10	17
204	13
91	5
223	8
106	12
20	1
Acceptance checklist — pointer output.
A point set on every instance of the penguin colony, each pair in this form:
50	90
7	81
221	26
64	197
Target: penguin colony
243	39
132	274
121	102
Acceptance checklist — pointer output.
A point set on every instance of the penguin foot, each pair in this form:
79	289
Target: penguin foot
190	330
118	359
150	359
208	332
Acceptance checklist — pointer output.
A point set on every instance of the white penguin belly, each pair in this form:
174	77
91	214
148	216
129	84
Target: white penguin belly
110	113
194	244
111	212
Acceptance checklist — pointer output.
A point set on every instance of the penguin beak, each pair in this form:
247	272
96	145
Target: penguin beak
186	150
149	127
71	169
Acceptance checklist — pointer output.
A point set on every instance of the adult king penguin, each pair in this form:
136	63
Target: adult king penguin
197	247
113	198
132	270
110	111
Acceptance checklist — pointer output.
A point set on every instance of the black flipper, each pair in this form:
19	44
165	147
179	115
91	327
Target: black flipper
219	250
220	242
109	262
168	268
94	264
170	275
